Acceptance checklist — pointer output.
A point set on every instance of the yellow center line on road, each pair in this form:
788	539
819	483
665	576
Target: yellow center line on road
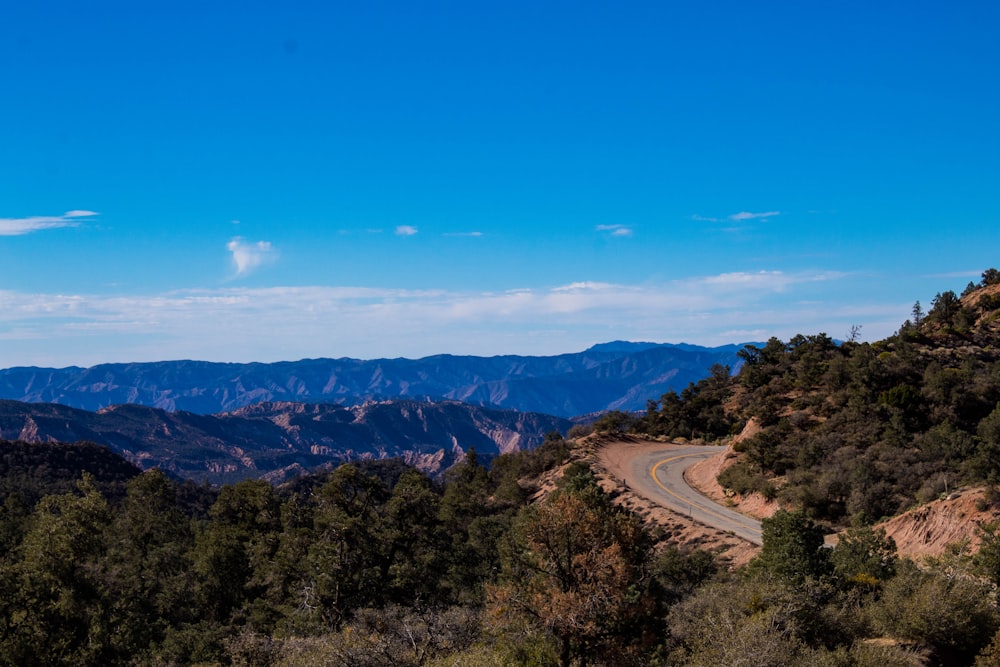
652	472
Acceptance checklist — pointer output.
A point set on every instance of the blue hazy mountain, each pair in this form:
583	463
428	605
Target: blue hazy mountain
610	376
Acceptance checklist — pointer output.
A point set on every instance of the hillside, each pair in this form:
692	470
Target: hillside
610	376
278	439
33	470
860	431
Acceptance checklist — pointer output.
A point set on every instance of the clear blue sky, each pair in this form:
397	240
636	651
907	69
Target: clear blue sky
255	182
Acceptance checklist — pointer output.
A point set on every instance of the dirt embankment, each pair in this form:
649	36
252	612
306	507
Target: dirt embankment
927	530
921	532
702	476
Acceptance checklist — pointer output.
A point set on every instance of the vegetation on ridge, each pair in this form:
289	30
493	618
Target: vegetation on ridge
857	431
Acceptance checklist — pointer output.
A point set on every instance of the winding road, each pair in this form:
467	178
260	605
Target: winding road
656	471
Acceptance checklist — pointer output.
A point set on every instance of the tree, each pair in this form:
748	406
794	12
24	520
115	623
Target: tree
743	622
793	548
945	307
955	614
987	559
575	568
615	421
345	563
986	462
239	540
58	615
147	565
865	556
464	512
412	540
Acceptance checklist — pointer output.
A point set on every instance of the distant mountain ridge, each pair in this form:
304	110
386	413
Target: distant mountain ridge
618	375
277	440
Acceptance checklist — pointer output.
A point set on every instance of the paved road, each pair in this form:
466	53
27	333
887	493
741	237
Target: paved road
658	474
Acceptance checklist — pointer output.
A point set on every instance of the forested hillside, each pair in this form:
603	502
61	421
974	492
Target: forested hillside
856	431
375	564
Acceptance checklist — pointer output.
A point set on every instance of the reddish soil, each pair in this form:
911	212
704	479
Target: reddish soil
921	532
928	529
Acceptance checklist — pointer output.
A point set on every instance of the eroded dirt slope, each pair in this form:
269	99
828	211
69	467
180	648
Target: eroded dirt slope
921	532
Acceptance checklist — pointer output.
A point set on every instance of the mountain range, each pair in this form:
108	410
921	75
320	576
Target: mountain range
279	440
609	376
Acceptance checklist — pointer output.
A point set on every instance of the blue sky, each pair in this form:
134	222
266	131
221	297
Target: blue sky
249	182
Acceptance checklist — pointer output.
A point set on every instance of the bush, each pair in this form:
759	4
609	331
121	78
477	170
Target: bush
954	615
742	478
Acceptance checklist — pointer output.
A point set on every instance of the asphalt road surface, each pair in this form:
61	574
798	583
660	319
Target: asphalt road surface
658	474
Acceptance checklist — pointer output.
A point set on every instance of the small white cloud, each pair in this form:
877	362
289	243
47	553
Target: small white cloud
615	230
463	234
737	217
583	285
767	280
21	226
760	278
249	256
406	230
746	215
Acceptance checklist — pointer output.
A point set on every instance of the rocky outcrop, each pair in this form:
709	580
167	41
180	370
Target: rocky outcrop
264	439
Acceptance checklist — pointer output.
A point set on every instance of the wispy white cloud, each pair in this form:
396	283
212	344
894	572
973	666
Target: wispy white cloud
615	230
742	216
760	278
249	256
583	285
746	215
473	234
406	230
767	280
21	226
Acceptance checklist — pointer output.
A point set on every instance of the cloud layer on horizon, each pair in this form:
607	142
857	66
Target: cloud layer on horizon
273	323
